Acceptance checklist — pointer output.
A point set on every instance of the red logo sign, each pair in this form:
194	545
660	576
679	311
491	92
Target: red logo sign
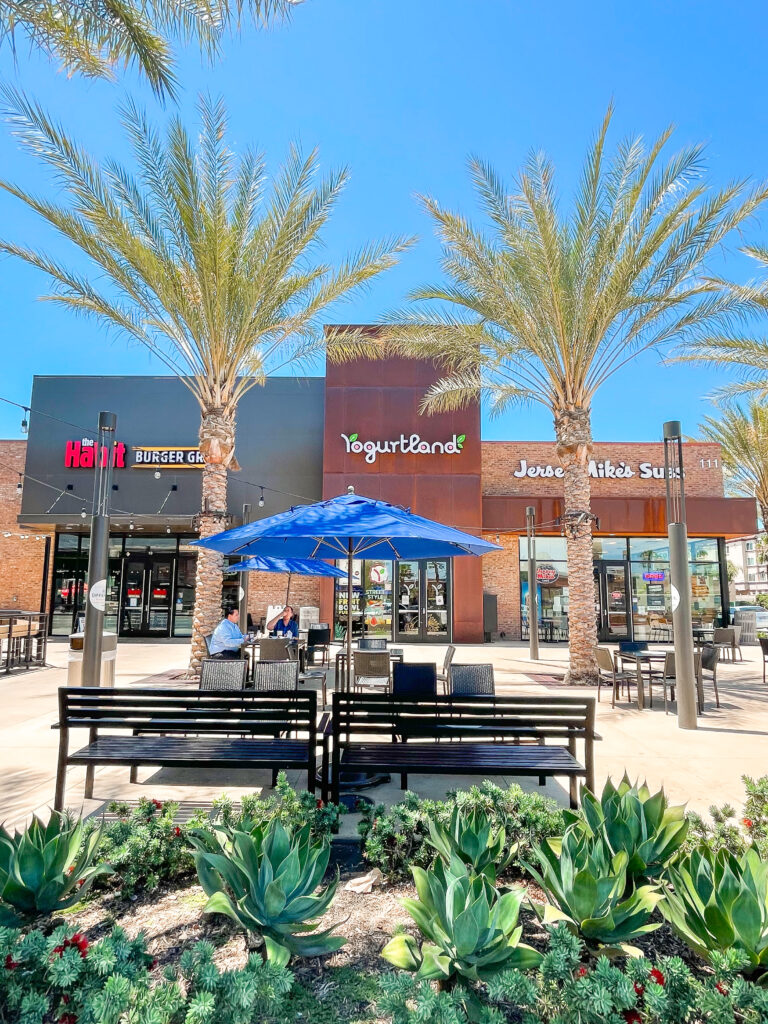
86	454
547	574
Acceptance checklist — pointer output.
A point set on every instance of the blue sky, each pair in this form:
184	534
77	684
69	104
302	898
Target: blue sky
403	91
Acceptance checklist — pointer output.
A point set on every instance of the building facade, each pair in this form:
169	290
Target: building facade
747	555
301	439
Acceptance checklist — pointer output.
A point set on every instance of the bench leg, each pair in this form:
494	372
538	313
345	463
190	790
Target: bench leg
89	771
403	781
311	773
134	776
61	772
324	770
274	777
573	792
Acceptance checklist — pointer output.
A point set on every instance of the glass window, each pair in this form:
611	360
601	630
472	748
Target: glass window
371	598
750	545
115	547
703	550
651	601
609	548
550	549
185	595
706	603
69	570
551	600
649	549
751	560
67	541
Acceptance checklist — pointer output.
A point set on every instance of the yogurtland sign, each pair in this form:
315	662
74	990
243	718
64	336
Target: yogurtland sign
604	470
405	445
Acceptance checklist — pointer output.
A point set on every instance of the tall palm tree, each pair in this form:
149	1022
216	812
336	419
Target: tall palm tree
545	305
90	37
197	258
743	439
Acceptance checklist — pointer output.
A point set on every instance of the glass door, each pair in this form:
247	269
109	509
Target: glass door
147	596
612	601
423	602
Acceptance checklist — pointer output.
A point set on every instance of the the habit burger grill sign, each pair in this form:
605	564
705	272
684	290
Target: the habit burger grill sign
86	454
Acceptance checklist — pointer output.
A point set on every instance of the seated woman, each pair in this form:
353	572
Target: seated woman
284	624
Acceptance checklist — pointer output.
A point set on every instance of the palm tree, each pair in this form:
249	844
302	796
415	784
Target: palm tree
201	262
91	36
546	306
743	439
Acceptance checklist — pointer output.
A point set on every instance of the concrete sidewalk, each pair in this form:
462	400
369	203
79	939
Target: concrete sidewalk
699	767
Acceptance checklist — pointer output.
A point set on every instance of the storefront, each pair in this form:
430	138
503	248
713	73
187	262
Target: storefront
301	439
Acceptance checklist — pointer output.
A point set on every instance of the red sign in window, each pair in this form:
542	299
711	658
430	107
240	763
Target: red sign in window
133	592
159	592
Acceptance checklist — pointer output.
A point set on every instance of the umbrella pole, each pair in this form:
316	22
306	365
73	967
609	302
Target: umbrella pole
288	589
349	613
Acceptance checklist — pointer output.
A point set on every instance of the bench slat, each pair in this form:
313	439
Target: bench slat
175	751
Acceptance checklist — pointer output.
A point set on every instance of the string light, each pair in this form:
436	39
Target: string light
131	526
83	514
24	421
19	485
261	498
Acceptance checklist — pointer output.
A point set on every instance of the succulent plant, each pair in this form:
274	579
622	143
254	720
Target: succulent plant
470	927
718	901
627	817
586	886
265	880
46	868
469	837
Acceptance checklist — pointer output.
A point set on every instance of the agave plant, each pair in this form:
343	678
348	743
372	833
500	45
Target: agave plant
629	818
469	837
265	880
46	868
586	886
471	928
718	901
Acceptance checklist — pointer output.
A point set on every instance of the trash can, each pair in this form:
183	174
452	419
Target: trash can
75	659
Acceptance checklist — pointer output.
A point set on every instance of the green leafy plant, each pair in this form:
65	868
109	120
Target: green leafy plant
469	836
396	838
471	929
718	901
265	880
46	868
292	809
730	831
566	990
587	887
627	817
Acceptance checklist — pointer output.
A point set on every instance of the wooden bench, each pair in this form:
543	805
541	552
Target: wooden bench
495	736
186	729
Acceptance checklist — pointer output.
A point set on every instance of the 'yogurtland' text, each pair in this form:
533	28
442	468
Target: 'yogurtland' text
410	445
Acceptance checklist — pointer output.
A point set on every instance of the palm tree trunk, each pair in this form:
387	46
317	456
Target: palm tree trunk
574	443
217	445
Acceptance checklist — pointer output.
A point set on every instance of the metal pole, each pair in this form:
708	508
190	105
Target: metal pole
349	612
533	612
680	576
244	580
98	556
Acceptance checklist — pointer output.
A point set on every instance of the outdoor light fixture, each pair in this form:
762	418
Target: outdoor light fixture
167	529
83	514
158	474
131	526
19	487
24	421
261	498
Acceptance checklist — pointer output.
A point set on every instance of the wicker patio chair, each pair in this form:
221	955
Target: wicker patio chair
371	668
276	675
471	681
223	674
414	679
442	675
273	648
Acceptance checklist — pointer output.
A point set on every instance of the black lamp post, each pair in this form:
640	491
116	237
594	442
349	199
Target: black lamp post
98	556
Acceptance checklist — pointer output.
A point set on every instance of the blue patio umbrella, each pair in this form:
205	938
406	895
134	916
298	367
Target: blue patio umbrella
291	566
348	526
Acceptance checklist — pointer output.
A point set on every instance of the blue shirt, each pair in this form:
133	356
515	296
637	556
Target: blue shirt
226	637
281	629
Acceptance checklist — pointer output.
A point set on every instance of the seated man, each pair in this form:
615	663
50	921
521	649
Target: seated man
284	624
227	638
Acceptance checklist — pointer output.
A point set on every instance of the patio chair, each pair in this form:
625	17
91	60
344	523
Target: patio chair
708	659
665	678
372	643
764	652
442	675
371	668
726	640
273	648
632	646
318	640
608	673
472	681
414	679
276	675
223	674
207	637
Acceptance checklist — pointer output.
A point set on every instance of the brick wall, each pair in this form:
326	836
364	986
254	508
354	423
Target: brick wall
501	576
502	459
21	561
266	588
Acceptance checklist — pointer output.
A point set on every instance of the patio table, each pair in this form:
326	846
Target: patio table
640	658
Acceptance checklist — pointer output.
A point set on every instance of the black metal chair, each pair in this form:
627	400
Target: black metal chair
608	673
665	678
414	679
632	646
223	674
443	675
764	652
318	639
276	675
207	637
707	660
471	681
372	643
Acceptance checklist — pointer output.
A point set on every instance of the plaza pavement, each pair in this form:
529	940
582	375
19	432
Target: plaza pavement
698	767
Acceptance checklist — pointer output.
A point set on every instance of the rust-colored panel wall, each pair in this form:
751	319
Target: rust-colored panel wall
379	401
707	517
